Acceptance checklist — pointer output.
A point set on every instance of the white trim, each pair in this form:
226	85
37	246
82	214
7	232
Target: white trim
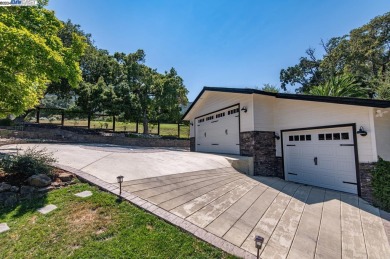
373	134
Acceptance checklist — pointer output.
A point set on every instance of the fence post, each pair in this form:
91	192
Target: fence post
158	128
89	121
62	118
136	127
38	111
178	130
113	123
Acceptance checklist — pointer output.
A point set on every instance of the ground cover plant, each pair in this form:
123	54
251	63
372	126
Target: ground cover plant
95	227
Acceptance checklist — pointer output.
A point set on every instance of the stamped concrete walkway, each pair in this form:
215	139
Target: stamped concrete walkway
227	209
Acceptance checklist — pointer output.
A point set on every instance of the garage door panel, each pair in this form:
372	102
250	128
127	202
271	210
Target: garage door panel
326	158
222	132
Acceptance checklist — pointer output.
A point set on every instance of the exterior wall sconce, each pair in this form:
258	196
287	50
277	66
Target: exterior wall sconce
244	109
276	135
362	132
192	124
258	243
120	181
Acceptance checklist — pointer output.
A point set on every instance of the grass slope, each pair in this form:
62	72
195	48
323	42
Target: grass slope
94	227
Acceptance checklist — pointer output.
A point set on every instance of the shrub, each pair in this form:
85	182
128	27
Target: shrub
32	161
6	122
381	184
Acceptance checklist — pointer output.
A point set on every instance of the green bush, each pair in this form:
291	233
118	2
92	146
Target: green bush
6	122
381	184
32	161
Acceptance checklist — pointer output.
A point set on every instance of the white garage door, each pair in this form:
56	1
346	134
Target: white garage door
321	157
219	132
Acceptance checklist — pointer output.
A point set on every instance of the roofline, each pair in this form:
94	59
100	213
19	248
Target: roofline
302	97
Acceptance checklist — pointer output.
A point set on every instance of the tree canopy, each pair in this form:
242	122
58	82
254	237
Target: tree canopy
32	55
363	54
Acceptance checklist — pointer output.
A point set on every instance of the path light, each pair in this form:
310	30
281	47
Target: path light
258	243
120	181
362	132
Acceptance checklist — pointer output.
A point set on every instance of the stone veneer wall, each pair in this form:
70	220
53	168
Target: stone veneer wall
192	144
261	146
365	171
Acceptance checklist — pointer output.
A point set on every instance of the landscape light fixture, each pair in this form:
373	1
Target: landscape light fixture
244	109
362	132
120	181
277	136
258	243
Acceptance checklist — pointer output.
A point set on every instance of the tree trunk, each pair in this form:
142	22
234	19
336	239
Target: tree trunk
145	123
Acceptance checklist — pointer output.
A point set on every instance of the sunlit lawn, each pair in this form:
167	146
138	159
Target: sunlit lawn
95	227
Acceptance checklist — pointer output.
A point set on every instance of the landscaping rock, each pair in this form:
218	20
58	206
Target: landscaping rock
27	192
9	199
47	209
14	189
5	187
84	194
65	177
55	184
46	189
39	180
4	227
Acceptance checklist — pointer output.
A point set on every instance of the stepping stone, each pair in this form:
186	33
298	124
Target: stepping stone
4	227
84	194
47	209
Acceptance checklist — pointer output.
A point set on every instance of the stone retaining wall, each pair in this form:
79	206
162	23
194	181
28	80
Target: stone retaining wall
63	135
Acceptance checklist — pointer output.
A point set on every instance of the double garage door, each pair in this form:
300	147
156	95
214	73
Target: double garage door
321	157
219	132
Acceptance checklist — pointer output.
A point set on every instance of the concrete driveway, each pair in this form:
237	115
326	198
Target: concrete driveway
203	192
108	161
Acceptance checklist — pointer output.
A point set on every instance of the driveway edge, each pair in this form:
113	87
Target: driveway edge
171	218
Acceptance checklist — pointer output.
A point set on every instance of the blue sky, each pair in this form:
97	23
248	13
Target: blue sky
228	43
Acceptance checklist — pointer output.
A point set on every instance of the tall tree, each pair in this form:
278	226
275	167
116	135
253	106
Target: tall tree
270	88
306	73
364	53
90	96
32	55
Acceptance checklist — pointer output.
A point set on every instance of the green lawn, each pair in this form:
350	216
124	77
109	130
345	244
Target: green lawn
94	227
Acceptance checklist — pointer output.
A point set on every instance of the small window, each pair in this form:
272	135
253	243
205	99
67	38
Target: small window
308	137
296	138
291	138
336	136
321	136
345	135
328	136
302	137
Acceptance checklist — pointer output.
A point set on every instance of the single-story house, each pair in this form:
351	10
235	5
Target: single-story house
331	142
